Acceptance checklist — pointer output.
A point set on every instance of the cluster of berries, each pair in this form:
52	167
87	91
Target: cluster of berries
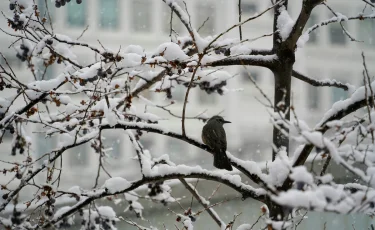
16	23
25	50
59	3
98	223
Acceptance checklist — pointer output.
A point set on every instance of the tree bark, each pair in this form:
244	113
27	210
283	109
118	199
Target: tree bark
283	80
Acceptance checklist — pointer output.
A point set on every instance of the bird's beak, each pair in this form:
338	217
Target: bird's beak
227	121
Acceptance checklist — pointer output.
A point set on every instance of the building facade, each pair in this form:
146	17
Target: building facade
329	53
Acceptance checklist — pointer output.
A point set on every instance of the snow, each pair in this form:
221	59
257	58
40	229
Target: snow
279	169
48	85
326	178
213	77
4	104
303	39
62	211
297	198
184	17
188	224
171	51
166	170
139	68
200	42
340	17
64	50
338	106
134	49
131	60
240	49
251	166
244	227
284	23
300	174
76	190
40	45
107	212
316	138
244	57
116	184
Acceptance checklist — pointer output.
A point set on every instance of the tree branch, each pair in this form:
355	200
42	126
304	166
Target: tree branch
155	129
276	36
295	34
254	60
199	199
315	82
243	190
331	115
143	87
339	19
184	18
29	177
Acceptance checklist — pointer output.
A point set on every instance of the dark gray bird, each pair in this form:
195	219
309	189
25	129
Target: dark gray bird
213	135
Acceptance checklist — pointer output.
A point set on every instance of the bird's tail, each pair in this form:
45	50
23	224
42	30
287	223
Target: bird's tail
221	161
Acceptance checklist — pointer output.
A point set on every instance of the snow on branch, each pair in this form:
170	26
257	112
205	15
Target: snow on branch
291	31
339	18
252	60
249	168
315	82
111	93
160	173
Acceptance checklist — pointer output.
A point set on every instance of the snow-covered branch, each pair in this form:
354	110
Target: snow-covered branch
118	185
252	60
315	82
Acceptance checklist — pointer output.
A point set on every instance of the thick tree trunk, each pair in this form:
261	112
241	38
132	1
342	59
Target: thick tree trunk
282	72
283	80
282	90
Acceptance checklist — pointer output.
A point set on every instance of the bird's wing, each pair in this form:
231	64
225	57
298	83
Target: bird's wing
215	138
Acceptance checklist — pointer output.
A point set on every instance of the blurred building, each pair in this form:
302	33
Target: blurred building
329	53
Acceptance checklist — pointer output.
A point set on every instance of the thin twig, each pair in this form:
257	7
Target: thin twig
199	199
239	18
342	26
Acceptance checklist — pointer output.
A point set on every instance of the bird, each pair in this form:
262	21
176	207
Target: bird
213	135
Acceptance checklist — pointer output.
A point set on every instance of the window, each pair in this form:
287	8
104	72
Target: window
248	8
257	147
313	39
338	94
77	14
44	145
313	97
109	14
336	34
112	143
205	18
45	73
43	9
178	93
12	60
147	143
174	148
367	31
246	74
142	14
78	156
166	18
